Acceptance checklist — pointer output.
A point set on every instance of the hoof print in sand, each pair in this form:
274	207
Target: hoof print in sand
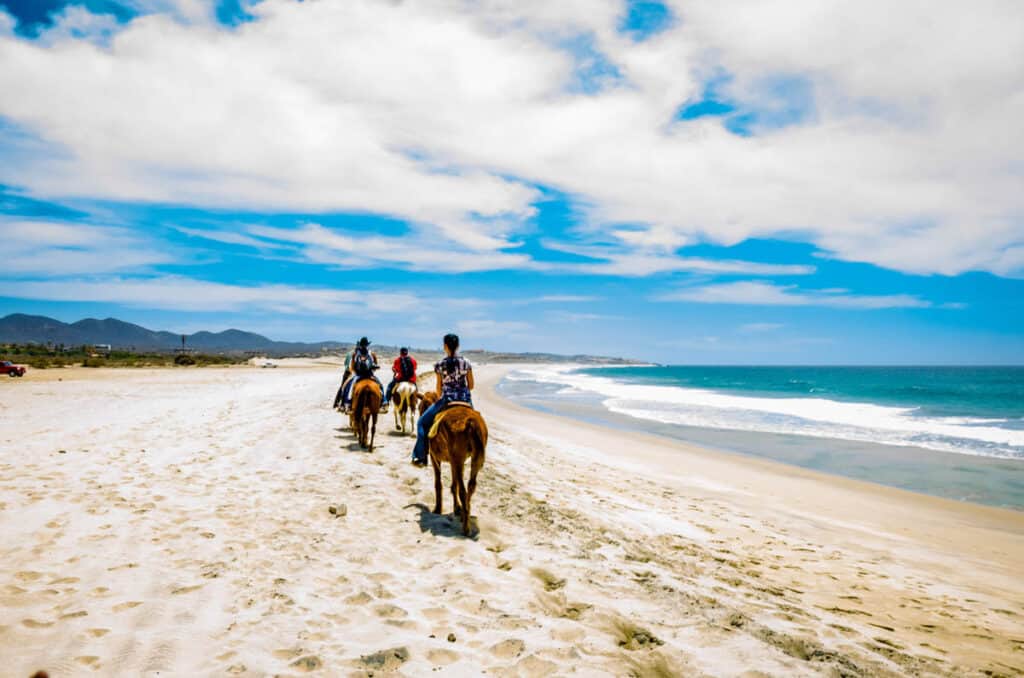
307	663
508	649
385	660
632	637
551	582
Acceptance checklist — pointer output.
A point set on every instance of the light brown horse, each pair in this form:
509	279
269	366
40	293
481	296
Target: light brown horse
366	399
461	434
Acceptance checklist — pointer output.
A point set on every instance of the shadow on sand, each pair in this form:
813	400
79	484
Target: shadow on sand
444	526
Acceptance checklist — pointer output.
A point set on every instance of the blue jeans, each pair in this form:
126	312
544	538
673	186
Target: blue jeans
419	453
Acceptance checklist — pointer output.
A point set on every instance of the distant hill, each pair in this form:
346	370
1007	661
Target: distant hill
19	328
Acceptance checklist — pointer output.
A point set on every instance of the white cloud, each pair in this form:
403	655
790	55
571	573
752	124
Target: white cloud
487	328
333	247
565	298
766	294
227	237
186	294
446	113
760	327
37	247
647	261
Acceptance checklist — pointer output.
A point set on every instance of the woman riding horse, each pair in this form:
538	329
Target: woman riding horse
454	383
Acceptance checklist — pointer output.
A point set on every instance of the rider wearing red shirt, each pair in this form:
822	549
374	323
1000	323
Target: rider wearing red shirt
403	369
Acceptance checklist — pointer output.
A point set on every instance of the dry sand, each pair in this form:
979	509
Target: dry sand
177	522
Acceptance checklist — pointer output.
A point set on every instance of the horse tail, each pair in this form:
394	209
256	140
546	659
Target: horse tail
359	405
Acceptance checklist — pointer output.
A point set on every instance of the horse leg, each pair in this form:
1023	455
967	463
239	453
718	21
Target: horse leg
457	498
463	501
474	468
438	492
373	429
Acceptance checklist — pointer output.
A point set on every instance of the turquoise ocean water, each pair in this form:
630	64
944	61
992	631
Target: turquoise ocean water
956	432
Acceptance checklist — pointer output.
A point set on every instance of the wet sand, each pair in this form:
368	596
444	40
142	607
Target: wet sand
178	521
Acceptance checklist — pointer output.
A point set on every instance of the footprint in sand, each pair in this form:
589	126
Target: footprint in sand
73	615
27	576
508	649
308	663
97	633
442	657
33	624
361	598
385	660
535	667
390	611
121	607
92	661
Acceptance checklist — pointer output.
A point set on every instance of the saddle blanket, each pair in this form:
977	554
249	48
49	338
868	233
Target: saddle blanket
441	415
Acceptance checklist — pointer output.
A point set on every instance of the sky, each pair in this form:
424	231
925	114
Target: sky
752	182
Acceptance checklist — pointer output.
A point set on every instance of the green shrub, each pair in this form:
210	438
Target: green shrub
94	362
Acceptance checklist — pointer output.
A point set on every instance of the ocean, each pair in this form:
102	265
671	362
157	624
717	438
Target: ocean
956	432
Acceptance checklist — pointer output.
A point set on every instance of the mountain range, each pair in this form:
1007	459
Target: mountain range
19	328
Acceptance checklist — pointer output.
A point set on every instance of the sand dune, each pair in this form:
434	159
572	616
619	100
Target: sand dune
223	522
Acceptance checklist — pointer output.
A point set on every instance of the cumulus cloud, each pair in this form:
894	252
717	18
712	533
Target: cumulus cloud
766	294
902	147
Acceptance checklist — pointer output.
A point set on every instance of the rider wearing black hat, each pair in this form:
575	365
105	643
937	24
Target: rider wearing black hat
362	365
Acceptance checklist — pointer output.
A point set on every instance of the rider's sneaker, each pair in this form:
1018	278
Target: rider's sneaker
419	463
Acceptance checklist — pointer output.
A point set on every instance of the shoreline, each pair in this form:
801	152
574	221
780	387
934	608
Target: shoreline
744	474
140	503
963	476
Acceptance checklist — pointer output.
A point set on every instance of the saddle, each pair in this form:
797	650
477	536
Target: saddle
441	415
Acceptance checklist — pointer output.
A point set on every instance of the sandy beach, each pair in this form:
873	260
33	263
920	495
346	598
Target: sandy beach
179	522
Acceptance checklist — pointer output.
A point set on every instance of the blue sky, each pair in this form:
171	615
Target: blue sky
639	179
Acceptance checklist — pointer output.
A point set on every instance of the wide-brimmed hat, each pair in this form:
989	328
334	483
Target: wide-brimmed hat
364	342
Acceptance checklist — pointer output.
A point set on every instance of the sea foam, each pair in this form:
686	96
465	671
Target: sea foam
807	416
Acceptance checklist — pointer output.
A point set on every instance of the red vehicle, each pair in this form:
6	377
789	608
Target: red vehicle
10	369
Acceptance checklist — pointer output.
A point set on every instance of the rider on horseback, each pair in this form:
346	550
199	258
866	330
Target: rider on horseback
362	364
403	369
454	383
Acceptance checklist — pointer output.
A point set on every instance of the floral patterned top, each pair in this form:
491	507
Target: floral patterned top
453	372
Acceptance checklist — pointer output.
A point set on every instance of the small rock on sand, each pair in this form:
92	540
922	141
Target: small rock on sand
339	511
451	637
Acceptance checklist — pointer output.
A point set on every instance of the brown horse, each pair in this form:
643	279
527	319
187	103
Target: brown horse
461	434
366	399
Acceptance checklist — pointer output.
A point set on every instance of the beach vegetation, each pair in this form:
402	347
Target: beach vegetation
45	356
